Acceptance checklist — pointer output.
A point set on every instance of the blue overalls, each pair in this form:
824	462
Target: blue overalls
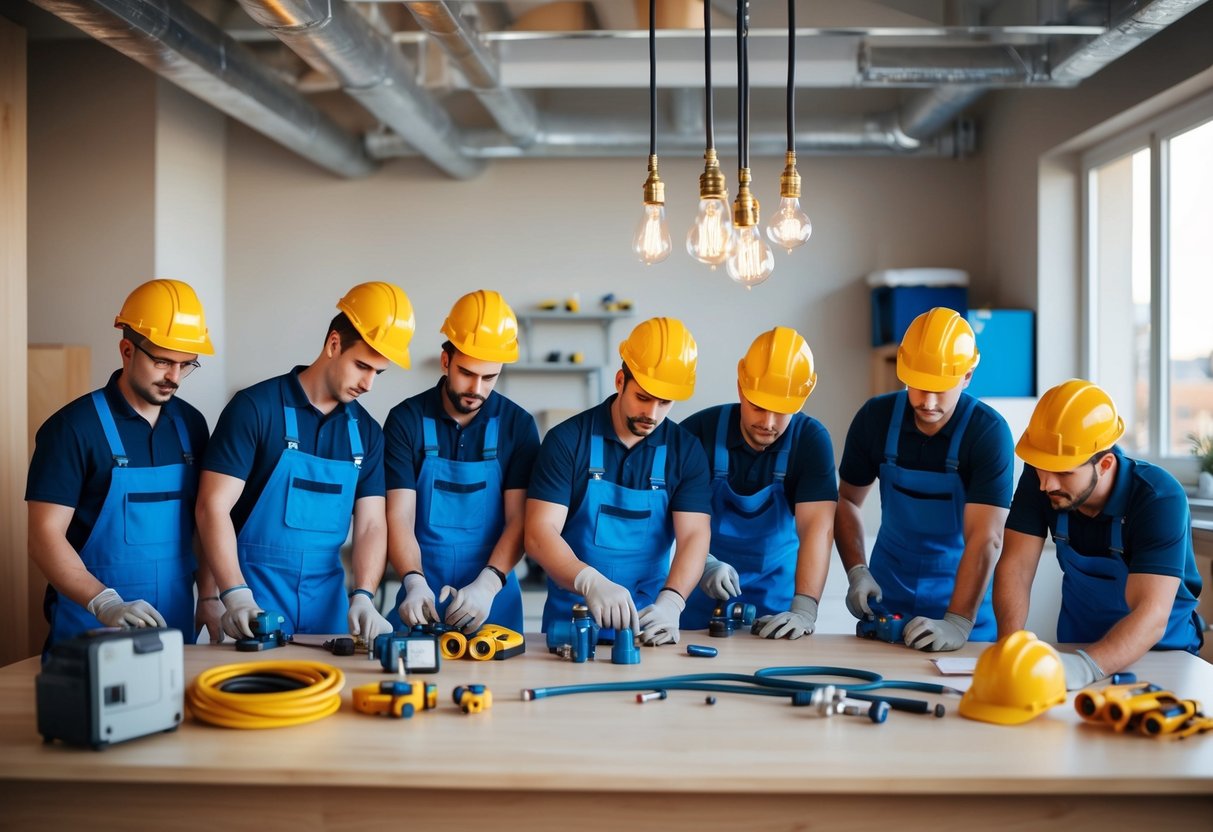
921	537
754	533
141	544
624	533
1093	594
290	546
460	517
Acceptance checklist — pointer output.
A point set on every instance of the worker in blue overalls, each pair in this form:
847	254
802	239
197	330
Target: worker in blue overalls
458	460
945	464
1123	533
112	481
615	486
291	459
773	492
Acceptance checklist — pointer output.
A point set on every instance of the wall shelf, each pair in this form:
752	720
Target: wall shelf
591	371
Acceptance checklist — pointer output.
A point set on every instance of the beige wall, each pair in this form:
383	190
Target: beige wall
297	238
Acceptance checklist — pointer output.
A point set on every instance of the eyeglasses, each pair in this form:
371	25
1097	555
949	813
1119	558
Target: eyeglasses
183	367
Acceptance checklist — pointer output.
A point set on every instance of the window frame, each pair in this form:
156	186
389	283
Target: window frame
1154	135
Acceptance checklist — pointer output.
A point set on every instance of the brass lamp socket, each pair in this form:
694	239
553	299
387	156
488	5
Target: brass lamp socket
711	182
745	207
654	188
789	180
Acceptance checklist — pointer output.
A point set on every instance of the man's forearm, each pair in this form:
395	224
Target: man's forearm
849	534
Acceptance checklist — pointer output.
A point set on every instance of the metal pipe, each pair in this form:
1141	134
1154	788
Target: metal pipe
177	43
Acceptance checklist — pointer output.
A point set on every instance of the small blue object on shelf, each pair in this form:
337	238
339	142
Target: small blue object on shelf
1006	339
895	307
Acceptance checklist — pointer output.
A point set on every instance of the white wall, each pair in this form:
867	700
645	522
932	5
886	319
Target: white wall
298	238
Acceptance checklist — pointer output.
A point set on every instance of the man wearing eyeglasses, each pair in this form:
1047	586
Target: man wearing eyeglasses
291	460
1123	534
110	493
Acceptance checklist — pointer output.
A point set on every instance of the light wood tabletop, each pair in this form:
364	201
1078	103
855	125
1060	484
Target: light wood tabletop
679	758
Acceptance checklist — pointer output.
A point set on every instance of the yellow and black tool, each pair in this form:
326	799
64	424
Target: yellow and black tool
473	698
1142	708
495	642
397	697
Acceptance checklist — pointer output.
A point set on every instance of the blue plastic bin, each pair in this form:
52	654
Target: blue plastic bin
895	307
1006	339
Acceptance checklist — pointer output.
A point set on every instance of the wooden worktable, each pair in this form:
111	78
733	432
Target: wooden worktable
603	761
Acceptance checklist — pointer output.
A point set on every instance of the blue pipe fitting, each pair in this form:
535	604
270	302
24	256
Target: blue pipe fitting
701	650
624	651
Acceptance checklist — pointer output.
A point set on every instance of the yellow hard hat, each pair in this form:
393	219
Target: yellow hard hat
482	325
383	316
1016	678
662	356
1071	422
777	372
169	314
937	351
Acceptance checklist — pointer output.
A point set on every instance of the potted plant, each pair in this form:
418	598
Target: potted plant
1202	449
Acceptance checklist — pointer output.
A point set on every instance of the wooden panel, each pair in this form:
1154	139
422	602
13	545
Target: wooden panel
58	374
884	370
14	556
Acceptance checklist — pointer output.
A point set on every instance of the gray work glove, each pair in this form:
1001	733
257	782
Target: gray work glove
1081	670
470	605
796	622
935	634
610	604
364	620
720	580
240	610
418	605
863	587
109	608
209	614
659	620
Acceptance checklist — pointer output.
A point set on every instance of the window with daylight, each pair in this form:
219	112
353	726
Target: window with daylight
1148	308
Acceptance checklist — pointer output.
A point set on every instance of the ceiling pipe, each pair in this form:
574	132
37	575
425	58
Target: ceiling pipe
511	109
1126	32
171	39
335	39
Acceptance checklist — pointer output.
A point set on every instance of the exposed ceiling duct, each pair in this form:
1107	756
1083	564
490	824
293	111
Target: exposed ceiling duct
176	42
332	37
500	53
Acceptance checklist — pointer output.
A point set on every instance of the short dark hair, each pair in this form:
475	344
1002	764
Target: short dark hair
449	349
627	374
345	331
134	337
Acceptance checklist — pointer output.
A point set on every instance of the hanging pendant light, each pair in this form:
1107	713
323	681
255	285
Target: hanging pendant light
710	239
790	226
751	261
651	242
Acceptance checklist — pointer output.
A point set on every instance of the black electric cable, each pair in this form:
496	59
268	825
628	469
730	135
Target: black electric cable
791	75
707	73
740	91
652	77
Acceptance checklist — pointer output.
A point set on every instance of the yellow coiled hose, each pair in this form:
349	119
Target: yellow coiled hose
271	694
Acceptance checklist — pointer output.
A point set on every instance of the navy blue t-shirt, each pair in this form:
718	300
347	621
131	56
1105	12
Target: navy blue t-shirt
251	436
72	463
517	438
810	475
987	454
1157	531
562	468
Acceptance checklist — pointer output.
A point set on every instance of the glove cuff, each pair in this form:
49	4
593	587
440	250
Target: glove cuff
102	599
711	563
674	597
230	597
804	604
963	624
488	567
854	573
1095	669
585	579
412	579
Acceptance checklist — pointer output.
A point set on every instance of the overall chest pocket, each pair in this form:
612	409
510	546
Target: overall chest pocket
751	520
152	517
622	528
927	512
317	506
458	505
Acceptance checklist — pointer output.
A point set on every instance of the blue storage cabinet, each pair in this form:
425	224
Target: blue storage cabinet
895	307
1006	339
